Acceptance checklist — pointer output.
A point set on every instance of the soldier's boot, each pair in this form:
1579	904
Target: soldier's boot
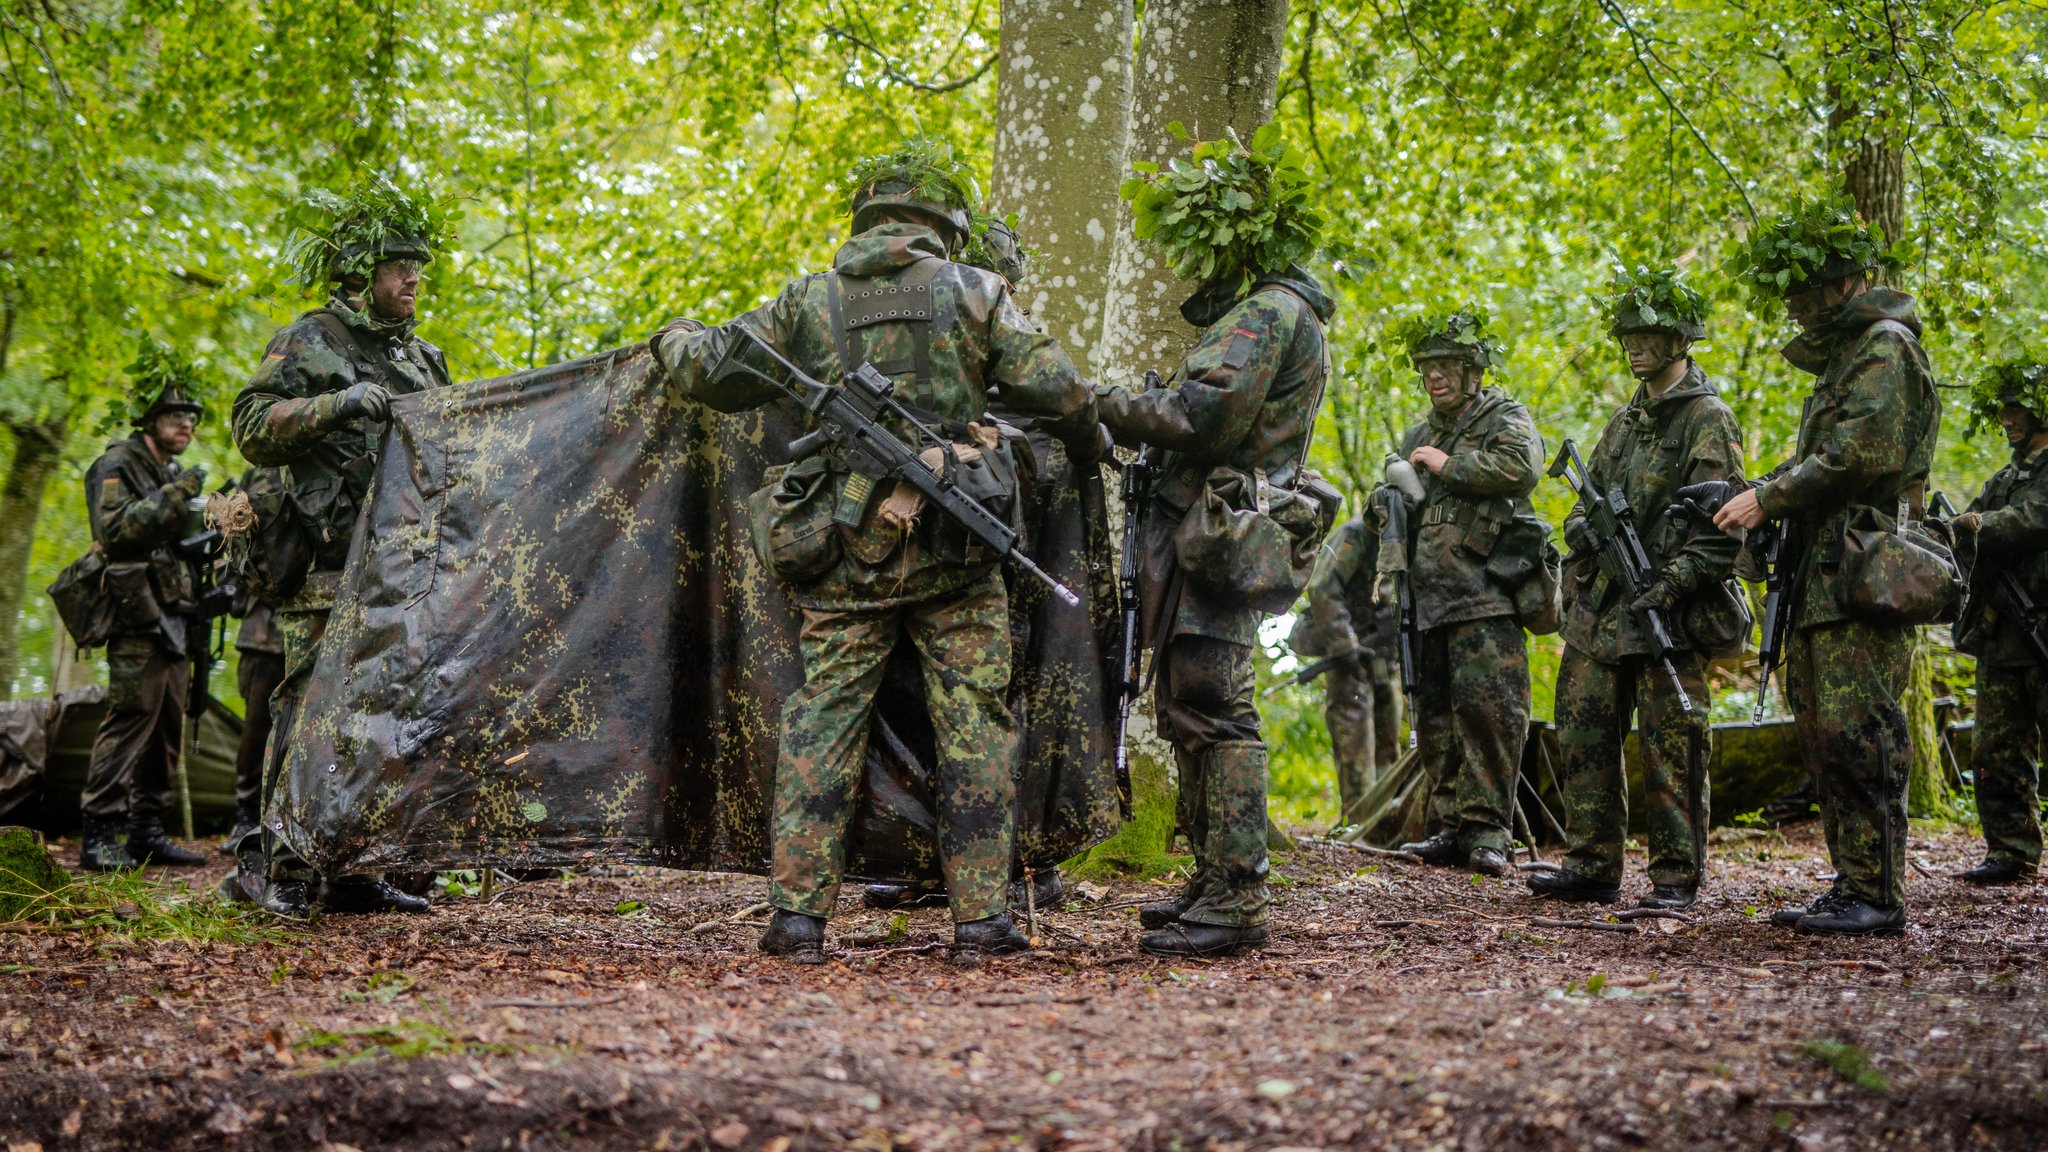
1181	938
1048	891
99	848
1440	850
1791	916
367	894
148	843
1998	870
1488	861
1670	897
888	896
1853	917
795	937
245	823
1565	884
996	934
1164	912
290	898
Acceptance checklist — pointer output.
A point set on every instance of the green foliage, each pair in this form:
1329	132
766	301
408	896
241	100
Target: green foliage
1652	296
157	367
336	235
128	906
925	167
409	1039
1819	240
1460	334
1227	210
2022	381
1850	1062
993	244
382	988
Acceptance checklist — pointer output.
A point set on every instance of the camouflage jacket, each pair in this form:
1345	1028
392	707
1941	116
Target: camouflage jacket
1495	455
1866	437
1652	448
1341	615
1244	397
976	339
285	416
136	518
2014	538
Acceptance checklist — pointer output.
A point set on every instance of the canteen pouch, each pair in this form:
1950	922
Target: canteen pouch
1717	621
1895	571
985	471
791	519
278	552
1243	539
82	601
134	600
1525	562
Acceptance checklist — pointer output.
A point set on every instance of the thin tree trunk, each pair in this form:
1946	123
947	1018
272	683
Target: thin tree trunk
38	448
1063	119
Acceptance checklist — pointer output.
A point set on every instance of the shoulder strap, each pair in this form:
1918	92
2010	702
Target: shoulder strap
352	338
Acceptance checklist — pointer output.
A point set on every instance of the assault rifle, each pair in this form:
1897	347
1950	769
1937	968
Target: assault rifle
2006	587
849	417
201	550
1782	548
1394	535
1137	489
1621	554
1312	672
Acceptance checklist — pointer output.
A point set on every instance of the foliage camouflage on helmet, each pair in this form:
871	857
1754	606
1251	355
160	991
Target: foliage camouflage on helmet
992	244
923	174
1818	242
1458	335
2022	381
161	381
1646	299
333	236
1227	210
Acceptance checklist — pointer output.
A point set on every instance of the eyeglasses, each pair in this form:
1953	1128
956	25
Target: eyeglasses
1642	342
404	267
188	419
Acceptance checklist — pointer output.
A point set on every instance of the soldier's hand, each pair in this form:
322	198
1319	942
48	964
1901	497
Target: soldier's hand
1429	457
1701	501
1741	511
1578	535
366	402
190	483
1969	523
683	325
1661	596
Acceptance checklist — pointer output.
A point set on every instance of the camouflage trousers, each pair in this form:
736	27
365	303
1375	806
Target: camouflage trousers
1844	681
2012	715
136	749
1203	703
300	631
963	639
1595	702
1471	720
257	677
1362	709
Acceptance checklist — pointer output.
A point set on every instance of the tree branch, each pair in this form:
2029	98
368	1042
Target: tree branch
890	69
1637	46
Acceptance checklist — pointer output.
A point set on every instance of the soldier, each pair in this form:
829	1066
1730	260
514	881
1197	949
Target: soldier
1478	455
136	498
1866	439
2008	525
890	572
1238	412
1673	432
260	671
317	406
1362	704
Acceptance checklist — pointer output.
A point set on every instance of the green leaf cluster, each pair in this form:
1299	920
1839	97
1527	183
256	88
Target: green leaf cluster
1002	253
157	366
1652	294
929	167
1789	254
1461	332
360	226
1227	210
2022	380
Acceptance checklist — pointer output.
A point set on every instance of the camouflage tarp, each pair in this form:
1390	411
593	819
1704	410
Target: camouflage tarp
555	646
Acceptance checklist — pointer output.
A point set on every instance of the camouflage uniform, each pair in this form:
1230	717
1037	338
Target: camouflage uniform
1866	438
1650	449
1362	704
260	671
2012	687
289	416
887	584
1245	397
137	510
1472	664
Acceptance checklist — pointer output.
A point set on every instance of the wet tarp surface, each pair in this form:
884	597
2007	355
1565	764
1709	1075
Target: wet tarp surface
554	645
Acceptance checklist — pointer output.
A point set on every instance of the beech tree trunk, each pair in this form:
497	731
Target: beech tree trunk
38	449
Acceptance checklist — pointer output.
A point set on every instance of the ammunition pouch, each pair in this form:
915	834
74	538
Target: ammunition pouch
1524	562
1896	571
82	599
133	595
794	534
1245	540
990	478
1717	621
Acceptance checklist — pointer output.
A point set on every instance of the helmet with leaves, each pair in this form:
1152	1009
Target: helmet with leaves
923	175
335	236
161	382
1646	299
992	244
1227	212
2022	381
1458	335
1818	242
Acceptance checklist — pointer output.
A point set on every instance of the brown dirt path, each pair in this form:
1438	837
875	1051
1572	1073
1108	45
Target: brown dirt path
1399	1007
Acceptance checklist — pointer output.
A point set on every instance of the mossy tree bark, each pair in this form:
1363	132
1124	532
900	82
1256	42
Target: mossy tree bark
38	449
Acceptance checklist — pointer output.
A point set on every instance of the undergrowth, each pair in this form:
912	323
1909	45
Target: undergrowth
128	905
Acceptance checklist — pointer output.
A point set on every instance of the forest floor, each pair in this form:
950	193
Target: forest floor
1397	1007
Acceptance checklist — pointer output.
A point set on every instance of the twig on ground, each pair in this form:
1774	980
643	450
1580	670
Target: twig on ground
1595	925
517	1003
1924	870
750	911
1409	923
1627	914
1369	850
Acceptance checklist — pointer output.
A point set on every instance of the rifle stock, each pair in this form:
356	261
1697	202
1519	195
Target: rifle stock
1137	489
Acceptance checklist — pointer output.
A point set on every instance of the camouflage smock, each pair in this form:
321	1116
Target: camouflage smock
1652	448
1866	437
979	339
136	518
1244	397
1340	614
2014	538
1495	455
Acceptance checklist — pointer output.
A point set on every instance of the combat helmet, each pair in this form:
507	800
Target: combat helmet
924	176
162	382
1645	299
992	244
1818	242
336	236
1459	335
2022	381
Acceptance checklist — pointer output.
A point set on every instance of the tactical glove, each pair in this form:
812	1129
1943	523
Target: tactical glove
365	402
1578	535
1969	523
1661	596
190	483
1700	501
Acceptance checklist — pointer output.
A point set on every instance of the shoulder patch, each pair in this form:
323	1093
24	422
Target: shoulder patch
1239	352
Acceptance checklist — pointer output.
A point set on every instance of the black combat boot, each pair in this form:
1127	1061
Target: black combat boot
1790	917
367	894
291	899
1998	870
1440	850
245	823
1852	917
888	896
1184	939
1670	897
1165	912
1488	861
1565	884
1048	892
148	843
997	934
795	937
99	850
